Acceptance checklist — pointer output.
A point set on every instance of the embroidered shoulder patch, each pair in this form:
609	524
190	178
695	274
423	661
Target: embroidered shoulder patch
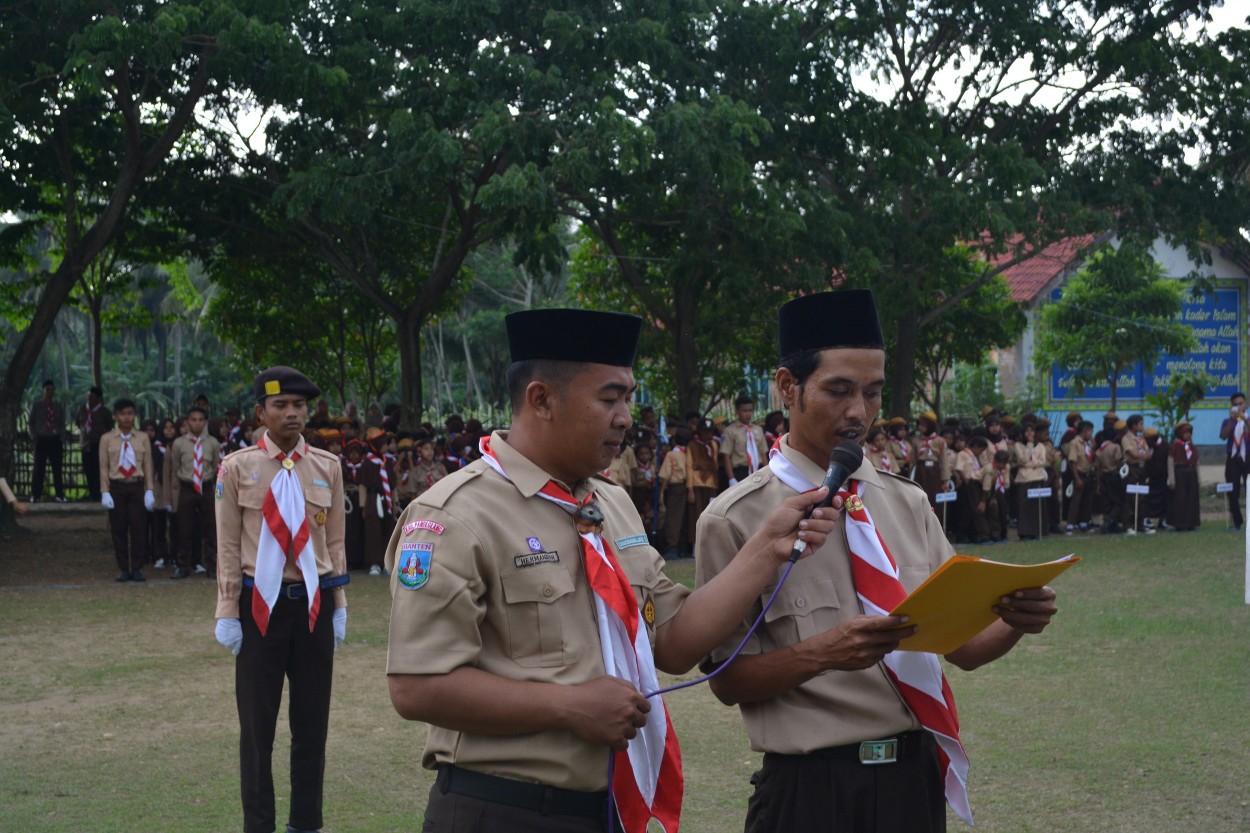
631	541
221	471
413	567
432	526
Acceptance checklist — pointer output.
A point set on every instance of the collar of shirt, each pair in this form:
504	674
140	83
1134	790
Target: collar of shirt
816	474
528	478
271	448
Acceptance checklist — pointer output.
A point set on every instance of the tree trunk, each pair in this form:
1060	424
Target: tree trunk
902	373
97	342
686	380
408	329
9	409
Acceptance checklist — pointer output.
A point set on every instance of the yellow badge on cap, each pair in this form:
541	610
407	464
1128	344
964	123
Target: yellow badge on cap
273	387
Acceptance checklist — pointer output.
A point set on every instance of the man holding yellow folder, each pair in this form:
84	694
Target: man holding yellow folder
856	736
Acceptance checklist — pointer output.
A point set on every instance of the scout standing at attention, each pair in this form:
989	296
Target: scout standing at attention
281	608
527	643
127	489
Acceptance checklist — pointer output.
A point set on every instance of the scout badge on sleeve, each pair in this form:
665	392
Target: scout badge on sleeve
413	567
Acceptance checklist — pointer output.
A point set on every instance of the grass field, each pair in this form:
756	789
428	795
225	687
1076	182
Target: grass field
1131	713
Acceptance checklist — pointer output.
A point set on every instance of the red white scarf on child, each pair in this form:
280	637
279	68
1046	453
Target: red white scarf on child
753	451
126	460
647	780
385	475
284	536
917	676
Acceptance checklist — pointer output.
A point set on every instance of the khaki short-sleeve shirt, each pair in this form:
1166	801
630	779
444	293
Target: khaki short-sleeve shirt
734	443
836	707
504	591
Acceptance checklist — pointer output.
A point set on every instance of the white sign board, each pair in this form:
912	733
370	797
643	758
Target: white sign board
1044	492
1137	489
944	497
1223	488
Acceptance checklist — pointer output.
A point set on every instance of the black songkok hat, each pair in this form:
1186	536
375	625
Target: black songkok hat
846	318
573	335
280	379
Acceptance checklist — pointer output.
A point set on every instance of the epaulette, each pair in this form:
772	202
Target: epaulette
321	452
437	495
899	477
733	494
241	451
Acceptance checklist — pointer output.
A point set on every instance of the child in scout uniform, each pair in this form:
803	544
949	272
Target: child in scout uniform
1136	455
673	477
405	486
1108	460
1041	430
970	474
1032	472
281	607
1081	471
743	449
1183	509
877	450
644	480
901	446
931	469
997	495
357	475
127	489
193	462
702	454
380	506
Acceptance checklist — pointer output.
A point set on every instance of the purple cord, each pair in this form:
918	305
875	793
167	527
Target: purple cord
741	645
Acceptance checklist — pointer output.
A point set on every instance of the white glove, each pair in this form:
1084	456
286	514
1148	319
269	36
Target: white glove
229	633
340	626
733	481
106	500
149	500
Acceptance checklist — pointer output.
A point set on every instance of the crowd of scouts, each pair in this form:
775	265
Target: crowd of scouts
1013	474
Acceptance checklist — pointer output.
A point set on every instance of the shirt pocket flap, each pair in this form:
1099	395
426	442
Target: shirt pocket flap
252	494
536	584
802	598
318	496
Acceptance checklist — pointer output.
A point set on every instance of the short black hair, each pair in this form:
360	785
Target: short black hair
744	399
95	390
1002	457
977	441
197	409
122	404
1135	419
1230	399
520	374
802	365
1083	424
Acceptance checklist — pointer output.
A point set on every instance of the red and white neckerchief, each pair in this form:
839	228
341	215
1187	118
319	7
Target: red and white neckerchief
904	449
917	676
126	460
976	461
354	468
1000	482
385	476
884	454
1188	448
1239	438
90	422
284	536
197	468
647	780
1089	451
927	442
753	451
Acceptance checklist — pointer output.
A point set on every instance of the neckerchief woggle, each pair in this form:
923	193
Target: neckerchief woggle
284	536
646	777
917	676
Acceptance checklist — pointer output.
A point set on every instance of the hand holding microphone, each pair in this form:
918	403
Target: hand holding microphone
843	462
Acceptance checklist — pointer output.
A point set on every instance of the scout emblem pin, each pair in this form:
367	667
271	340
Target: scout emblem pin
288	464
589	519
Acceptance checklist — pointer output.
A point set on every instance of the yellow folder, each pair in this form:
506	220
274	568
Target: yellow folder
956	602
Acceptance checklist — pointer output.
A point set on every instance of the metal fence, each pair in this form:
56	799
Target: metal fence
72	476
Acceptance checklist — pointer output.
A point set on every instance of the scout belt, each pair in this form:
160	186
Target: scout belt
539	798
297	590
870	752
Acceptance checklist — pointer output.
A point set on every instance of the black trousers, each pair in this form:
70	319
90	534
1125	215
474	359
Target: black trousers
1235	473
814	794
50	451
91	469
447	812
197	513
128	523
287	651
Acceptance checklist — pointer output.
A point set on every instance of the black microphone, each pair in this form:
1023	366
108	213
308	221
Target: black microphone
843	462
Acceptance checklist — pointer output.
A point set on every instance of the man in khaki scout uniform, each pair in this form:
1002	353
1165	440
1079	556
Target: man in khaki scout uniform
742	448
932	469
843	750
193	463
1136	455
494	637
281	608
127	488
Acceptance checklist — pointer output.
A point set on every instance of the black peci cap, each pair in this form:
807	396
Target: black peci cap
846	318
574	335
283	380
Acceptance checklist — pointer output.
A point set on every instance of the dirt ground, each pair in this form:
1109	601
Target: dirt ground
66	544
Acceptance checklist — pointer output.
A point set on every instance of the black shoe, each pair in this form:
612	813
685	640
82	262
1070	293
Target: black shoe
124	575
290	829
181	573
135	575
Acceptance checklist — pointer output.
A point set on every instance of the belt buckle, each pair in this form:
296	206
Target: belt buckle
878	751
291	589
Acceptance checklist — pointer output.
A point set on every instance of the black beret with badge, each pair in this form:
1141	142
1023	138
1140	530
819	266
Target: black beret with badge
844	318
282	380
573	335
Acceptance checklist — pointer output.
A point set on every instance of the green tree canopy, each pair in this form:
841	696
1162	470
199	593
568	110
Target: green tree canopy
1118	310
